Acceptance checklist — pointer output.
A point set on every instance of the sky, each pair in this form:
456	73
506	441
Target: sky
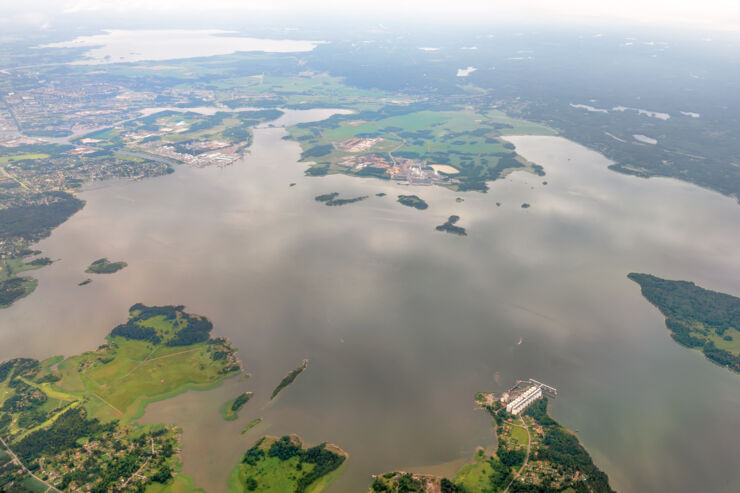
720	15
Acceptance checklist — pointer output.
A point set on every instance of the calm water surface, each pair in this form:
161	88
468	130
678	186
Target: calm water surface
134	45
403	324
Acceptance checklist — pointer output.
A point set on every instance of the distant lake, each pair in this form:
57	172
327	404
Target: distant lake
123	45
403	324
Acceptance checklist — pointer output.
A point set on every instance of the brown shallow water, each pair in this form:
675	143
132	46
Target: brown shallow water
402	324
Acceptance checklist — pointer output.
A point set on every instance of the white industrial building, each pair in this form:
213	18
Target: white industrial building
521	403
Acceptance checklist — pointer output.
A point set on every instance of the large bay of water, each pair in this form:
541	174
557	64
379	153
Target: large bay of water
403	324
134	45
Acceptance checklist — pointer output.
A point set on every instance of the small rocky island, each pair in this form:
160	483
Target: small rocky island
230	410
449	227
105	266
332	199
413	201
288	379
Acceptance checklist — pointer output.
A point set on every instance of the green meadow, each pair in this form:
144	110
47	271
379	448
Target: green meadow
467	140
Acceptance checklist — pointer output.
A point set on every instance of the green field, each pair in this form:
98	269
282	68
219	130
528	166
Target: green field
464	139
12	266
51	407
122	377
519	434
300	91
282	464
12	286
23	157
476	477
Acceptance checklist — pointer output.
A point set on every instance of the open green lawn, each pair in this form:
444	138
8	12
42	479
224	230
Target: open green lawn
22	157
268	472
120	378
179	484
476	476
732	346
519	434
519	127
12	266
304	90
34	485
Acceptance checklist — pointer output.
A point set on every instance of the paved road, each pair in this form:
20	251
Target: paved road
18	461
526	458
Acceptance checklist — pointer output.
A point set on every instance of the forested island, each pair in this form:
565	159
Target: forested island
14	287
697	318
230	410
251	425
332	199
449	227
36	218
413	201
105	266
283	465
70	423
534	455
288	379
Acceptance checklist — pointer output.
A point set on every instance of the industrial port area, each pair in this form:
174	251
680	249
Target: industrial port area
518	398
531	444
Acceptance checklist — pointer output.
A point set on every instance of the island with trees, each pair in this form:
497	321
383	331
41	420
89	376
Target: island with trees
230	410
105	266
697	318
413	201
70	423
251	425
450	227
289	378
14	287
332	199
283	464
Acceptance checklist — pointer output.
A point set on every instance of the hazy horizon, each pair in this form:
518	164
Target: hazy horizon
711	15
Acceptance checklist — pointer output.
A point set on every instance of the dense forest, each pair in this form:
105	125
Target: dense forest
14	289
36	220
191	329
697	317
564	449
